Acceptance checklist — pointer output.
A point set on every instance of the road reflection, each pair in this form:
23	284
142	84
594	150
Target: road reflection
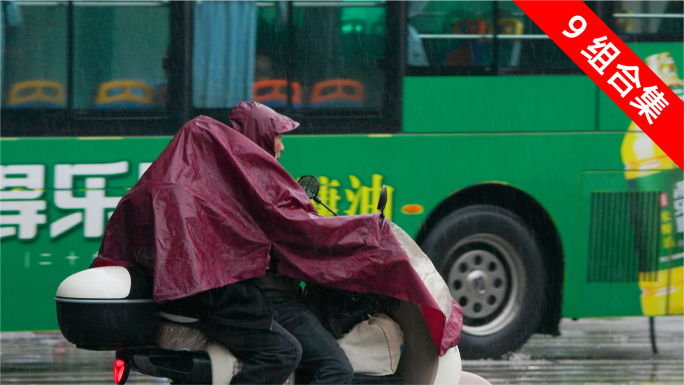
590	351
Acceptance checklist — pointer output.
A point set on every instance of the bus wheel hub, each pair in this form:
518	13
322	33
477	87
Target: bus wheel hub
476	279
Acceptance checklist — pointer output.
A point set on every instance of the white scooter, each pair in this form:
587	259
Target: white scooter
111	308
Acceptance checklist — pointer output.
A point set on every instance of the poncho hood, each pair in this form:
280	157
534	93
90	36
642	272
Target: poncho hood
260	124
215	205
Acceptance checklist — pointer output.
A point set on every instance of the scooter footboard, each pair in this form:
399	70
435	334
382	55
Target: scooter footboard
450	368
179	366
420	362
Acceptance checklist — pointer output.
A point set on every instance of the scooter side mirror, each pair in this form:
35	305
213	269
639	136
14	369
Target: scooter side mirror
382	202
310	184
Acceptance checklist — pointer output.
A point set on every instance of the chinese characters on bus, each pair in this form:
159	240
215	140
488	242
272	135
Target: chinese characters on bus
24	199
26	184
625	78
678	202
361	199
667	228
87	202
92	206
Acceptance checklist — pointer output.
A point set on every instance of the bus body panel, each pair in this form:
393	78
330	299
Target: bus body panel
533	103
549	167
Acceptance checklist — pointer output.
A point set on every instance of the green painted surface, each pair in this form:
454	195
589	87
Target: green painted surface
33	268
551	163
499	104
547	166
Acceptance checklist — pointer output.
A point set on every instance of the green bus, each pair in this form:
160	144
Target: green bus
534	195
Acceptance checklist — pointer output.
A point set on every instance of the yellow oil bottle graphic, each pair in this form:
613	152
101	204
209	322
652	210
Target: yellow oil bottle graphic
647	168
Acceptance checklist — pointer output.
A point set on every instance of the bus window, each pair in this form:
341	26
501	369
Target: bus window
224	54
118	55
461	34
270	75
449	33
337	53
35	55
327	55
647	17
524	45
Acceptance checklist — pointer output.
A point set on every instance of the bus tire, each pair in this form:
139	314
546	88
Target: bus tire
492	265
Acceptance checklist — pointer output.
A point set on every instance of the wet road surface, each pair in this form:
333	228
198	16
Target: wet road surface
589	351
595	351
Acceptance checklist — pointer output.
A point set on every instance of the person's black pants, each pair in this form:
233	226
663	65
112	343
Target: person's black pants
322	357
269	356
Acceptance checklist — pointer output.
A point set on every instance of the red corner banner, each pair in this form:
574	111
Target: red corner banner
625	78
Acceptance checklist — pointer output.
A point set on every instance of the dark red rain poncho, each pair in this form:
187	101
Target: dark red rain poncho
215	204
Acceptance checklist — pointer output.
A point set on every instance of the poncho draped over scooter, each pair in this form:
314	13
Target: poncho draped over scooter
215	204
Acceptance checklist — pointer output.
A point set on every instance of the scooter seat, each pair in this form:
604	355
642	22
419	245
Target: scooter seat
177	318
176	336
